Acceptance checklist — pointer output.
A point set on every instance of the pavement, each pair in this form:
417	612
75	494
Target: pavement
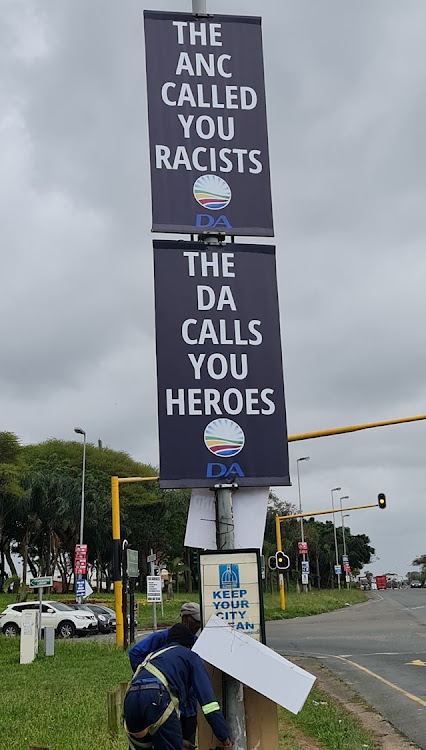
378	647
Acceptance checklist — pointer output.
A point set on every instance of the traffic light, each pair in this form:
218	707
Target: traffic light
381	499
283	561
272	562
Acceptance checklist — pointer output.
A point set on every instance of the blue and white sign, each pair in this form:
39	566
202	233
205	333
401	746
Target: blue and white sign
338	570
80	587
230	589
305	566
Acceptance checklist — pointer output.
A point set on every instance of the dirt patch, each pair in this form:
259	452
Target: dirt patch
388	738
292	738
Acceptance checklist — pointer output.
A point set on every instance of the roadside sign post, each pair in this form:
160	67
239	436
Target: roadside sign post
226	402
132	573
151	590
40	583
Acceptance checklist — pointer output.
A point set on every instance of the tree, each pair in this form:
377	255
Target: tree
11	495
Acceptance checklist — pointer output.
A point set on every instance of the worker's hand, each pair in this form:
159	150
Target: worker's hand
187	745
227	744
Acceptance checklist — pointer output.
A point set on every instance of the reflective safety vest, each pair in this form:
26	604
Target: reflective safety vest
173	705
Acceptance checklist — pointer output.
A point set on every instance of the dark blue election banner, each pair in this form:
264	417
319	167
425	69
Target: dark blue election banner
207	124
219	368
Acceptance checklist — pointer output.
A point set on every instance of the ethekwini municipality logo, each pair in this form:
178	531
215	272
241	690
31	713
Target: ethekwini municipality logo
212	192
224	438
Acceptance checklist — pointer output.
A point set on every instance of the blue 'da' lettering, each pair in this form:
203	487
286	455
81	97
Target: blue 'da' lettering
215	470
206	221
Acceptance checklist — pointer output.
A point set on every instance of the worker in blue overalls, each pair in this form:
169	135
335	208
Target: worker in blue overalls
190	616
163	682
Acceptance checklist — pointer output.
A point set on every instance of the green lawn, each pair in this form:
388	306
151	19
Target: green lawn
60	701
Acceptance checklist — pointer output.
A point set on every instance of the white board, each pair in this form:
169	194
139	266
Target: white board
254	664
249	506
153	589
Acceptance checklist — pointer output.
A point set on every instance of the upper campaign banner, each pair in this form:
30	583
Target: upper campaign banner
207	124
219	368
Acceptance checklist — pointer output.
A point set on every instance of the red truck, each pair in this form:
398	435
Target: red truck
381	582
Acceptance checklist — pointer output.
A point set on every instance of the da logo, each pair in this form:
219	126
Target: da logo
224	438
216	470
213	194
229	576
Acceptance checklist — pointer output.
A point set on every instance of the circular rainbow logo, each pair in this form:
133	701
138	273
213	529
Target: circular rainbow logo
211	192
224	438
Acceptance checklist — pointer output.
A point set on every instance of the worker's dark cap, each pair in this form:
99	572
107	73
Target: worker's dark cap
180	634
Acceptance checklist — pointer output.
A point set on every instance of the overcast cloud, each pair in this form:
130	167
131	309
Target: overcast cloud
346	112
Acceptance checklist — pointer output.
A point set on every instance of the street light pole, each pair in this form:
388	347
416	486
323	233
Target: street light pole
335	489
345	497
304	458
80	431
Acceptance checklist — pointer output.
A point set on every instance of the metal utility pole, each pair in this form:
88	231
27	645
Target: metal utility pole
233	698
345	497
199	7
80	431
304	458
335	489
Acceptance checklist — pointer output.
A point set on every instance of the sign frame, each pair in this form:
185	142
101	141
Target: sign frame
227	554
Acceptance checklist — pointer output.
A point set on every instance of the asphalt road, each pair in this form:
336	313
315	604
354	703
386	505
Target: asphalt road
372	647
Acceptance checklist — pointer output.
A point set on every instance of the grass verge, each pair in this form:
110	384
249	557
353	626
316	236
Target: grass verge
328	725
60	701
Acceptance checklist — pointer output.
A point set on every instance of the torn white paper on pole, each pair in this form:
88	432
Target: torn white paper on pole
249	506
254	664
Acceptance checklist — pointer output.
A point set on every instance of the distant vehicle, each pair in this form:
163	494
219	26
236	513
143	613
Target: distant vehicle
381	582
416	584
365	587
66	621
104	615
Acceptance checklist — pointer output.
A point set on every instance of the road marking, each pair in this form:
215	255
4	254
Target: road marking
417	663
385	682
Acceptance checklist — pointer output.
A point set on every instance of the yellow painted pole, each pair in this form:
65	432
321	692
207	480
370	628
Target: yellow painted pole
128	480
323	512
352	428
116	557
279	549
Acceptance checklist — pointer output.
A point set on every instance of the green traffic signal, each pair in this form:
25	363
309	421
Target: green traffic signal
381	500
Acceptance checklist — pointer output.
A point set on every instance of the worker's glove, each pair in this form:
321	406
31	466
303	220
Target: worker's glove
227	744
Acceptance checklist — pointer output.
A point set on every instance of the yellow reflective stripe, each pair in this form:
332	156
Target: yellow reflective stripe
209	707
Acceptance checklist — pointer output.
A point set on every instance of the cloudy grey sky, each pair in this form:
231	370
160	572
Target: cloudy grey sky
345	95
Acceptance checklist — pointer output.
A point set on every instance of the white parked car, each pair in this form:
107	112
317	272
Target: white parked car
66	621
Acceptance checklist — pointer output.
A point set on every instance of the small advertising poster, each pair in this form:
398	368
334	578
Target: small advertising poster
303	548
80	559
231	589
153	589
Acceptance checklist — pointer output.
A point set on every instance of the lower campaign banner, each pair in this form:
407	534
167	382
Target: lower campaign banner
221	401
